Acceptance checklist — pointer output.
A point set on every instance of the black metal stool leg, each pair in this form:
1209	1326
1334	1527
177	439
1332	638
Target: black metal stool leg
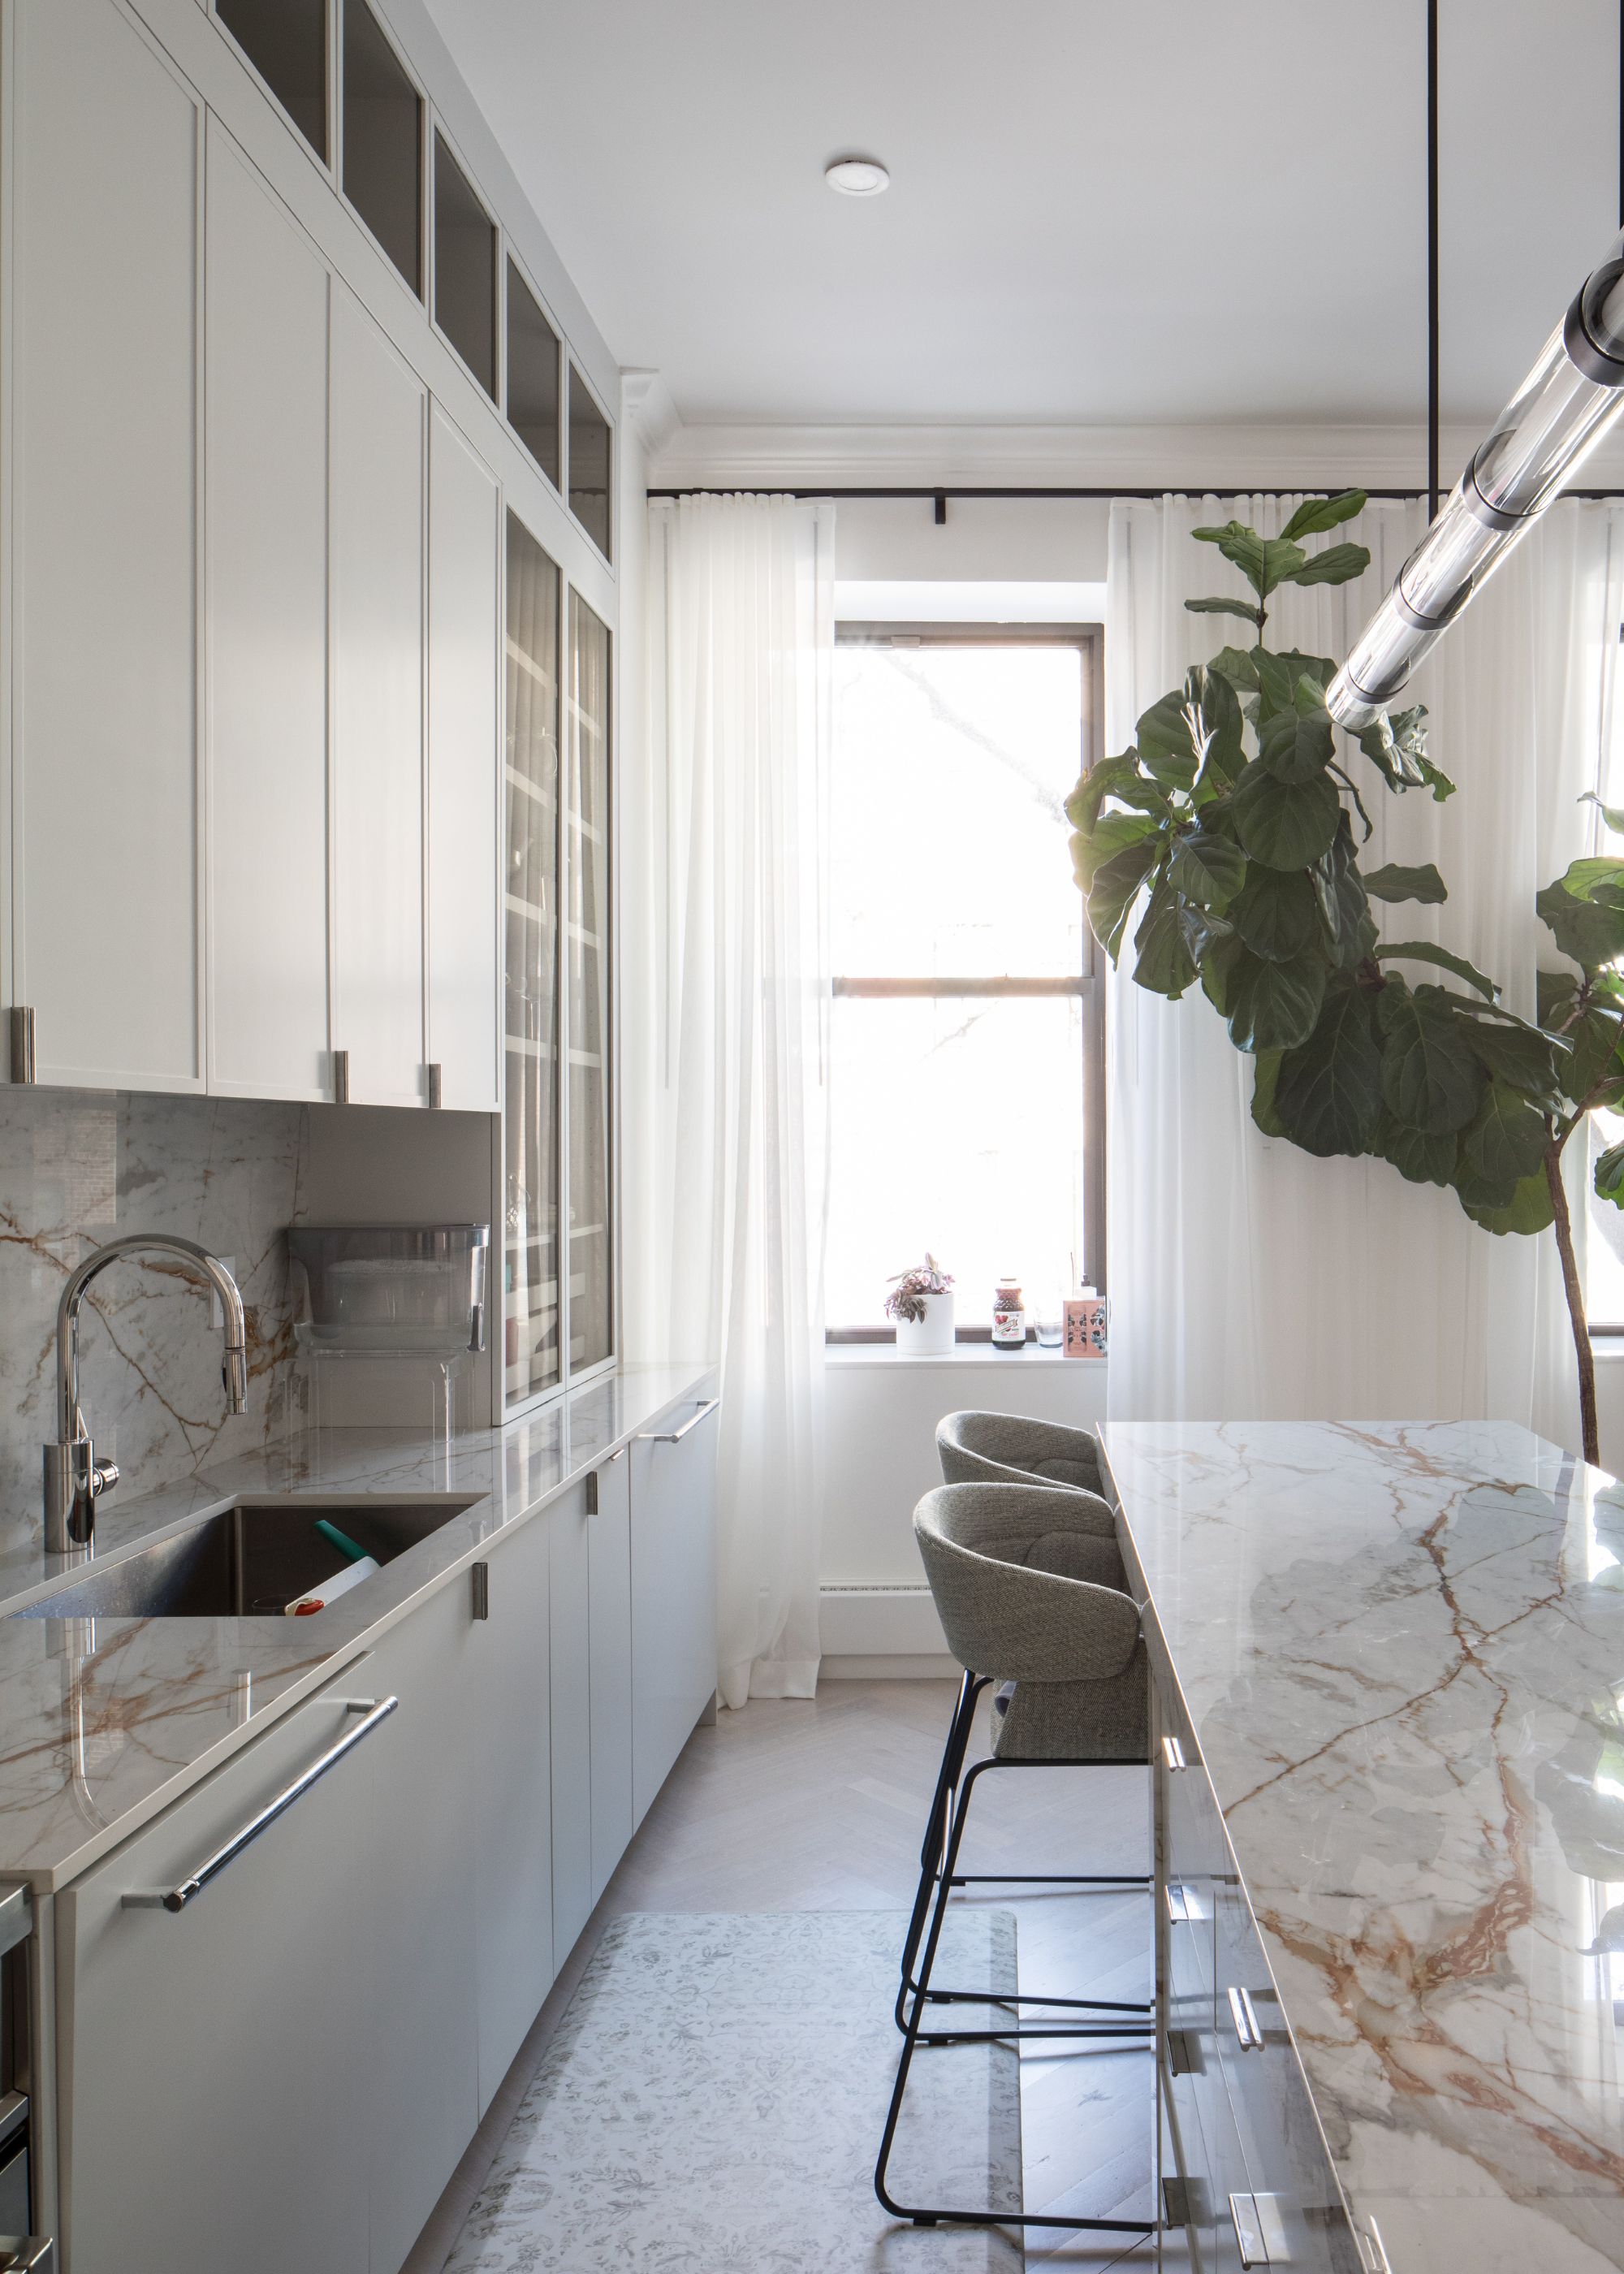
937	1824
912	2036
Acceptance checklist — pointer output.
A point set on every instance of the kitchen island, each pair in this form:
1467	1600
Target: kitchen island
1389	1661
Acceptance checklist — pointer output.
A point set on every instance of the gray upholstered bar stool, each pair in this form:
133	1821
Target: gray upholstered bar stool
1027	1589
1007	1449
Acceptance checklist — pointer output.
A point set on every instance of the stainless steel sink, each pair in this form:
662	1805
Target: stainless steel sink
251	1559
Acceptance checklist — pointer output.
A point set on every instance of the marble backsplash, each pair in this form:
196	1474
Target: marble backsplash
76	1167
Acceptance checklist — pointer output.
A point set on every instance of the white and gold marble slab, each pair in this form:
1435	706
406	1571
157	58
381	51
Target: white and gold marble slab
1402	1650
104	1722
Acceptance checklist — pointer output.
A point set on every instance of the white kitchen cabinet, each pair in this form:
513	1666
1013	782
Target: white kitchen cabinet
464	760
420	1965
571	1719
609	1562
378	438
673	1591
106	913
510	1659
267	581
216	2078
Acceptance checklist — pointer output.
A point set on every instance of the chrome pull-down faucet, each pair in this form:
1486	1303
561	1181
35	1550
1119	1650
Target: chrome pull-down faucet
74	1478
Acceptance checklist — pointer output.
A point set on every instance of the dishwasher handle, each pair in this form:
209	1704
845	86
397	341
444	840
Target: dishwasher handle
374	1710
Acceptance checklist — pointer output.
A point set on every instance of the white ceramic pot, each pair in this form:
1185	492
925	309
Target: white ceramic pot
931	1337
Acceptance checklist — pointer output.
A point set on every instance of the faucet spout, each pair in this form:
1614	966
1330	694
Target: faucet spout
74	1478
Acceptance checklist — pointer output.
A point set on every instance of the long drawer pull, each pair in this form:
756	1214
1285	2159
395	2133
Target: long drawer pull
1173	1754
675	1437
175	1899
1248	2230
1244	2014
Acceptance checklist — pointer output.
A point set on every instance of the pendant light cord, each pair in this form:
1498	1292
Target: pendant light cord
1431	249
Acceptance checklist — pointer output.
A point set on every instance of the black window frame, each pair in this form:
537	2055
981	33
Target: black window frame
1088	982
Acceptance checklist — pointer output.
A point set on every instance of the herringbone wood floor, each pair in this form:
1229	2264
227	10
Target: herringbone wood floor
820	1805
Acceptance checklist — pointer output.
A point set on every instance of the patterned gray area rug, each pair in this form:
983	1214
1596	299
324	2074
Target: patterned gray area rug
712	2100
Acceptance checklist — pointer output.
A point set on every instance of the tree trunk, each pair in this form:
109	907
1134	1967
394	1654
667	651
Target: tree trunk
1574	1293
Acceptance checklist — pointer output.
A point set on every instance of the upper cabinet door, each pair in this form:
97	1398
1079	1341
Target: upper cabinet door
464	761
379	411
104	522
265	420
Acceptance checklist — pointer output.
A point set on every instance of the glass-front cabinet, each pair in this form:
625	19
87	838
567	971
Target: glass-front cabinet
559	1302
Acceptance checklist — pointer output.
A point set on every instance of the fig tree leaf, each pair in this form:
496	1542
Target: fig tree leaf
1117	885
1235	665
1556	993
1393	882
1594	1064
1612	815
1207	869
1529	1209
1420	1159
1225	608
1166	744
1339	891
1338	564
1314	515
1216	719
1590	934
1285	824
1519	1056
1109	837
1263	561
1275	913
1272	1006
1599	879
1506	1138
1328	1092
1163	963
1423	951
1266	1072
1295	748
1609	1175
1430	1078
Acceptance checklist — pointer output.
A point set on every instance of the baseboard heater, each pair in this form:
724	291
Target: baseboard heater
884	1621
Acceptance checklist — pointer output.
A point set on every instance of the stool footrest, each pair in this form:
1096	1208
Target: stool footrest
1034	1998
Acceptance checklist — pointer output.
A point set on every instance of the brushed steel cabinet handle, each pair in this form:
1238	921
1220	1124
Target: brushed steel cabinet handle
675	1437
1173	1754
374	1710
436	1087
23	1064
1248	2230
340	1077
1244	2014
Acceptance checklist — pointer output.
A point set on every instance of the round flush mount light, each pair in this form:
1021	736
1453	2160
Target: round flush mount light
857	177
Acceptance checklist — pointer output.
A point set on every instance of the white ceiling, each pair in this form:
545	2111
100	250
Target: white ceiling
1158	211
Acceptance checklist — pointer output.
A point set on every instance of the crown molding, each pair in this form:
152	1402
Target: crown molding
647	409
1201	458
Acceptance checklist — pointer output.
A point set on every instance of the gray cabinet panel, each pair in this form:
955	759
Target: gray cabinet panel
610	1556
214	2062
572	1720
673	1597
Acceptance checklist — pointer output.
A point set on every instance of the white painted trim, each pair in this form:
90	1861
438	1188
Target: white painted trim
882	1668
1208	458
867	1621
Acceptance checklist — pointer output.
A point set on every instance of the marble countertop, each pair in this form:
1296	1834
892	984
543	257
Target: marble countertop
1402	1649
103	1723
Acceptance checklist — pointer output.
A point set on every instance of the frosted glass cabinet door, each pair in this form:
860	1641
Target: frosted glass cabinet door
378	426
464	816
106	939
588	948
266	424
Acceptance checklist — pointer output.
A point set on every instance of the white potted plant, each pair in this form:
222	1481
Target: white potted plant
920	1302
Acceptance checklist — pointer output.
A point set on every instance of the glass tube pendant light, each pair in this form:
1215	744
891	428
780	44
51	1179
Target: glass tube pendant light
1561	411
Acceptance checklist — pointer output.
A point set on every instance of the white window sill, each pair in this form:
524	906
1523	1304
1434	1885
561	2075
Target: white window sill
887	1354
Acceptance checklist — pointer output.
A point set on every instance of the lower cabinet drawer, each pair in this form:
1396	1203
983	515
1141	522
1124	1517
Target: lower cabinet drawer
1298	2216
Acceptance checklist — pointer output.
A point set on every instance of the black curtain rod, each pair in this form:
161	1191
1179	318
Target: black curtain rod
1116	490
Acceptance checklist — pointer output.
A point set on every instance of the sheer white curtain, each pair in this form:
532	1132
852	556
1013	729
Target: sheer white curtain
1247	1278
732	1102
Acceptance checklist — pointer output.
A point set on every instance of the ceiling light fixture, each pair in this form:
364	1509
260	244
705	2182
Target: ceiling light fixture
857	177
1569	399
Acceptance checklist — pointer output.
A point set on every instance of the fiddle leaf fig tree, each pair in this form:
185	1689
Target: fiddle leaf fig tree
1221	850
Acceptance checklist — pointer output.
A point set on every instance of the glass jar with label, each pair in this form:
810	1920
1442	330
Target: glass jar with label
1008	1318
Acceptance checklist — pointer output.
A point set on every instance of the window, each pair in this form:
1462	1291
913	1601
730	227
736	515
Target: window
464	267
383	142
286	42
967	1068
589	463
532	375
